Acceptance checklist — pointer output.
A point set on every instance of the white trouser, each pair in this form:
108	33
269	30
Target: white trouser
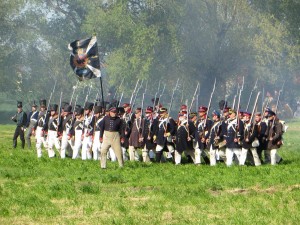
133	154
273	156
111	154
243	157
145	154
86	147
96	146
213	157
40	139
52	140
77	144
64	144
229	155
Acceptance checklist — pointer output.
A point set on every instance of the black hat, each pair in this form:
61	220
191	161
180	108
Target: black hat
63	104
68	108
113	109
79	111
34	104
98	109
19	104
88	105
155	100
121	110
43	103
77	107
53	107
271	113
222	104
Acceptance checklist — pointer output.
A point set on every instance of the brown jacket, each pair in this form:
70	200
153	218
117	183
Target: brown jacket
275	132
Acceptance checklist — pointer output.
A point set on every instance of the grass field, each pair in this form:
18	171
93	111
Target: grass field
55	191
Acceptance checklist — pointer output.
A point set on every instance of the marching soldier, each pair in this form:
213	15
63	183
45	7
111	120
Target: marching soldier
274	134
96	139
54	129
76	131
261	134
121	112
136	139
250	133
150	125
202	131
67	121
216	136
110	131
163	135
182	137
20	118
88	130
127	118
39	129
31	122
234	137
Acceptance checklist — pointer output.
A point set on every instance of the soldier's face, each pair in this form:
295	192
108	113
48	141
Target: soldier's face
257	118
52	113
112	114
33	108
19	110
232	115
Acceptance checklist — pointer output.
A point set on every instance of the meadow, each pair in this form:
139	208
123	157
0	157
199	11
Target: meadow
55	191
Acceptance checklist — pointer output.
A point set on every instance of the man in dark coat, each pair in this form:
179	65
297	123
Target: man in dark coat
274	136
20	118
234	137
31	122
250	133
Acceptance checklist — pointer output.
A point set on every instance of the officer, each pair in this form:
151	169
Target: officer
31	122
110	131
20	118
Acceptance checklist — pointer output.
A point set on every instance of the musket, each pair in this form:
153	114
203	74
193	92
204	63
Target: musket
48	105
119	103
193	99
118	88
254	88
59	111
234	98
136	85
171	102
161	94
209	103
253	110
74	88
276	107
142	110
262	99
238	109
154	105
137	92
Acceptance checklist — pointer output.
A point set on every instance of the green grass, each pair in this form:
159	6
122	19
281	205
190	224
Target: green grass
55	191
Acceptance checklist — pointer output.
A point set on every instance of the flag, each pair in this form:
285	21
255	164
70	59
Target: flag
84	58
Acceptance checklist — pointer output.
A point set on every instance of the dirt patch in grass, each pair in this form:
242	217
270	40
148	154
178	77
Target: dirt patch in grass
258	189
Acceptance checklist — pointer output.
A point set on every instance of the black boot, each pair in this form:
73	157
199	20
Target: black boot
23	144
14	143
206	160
158	156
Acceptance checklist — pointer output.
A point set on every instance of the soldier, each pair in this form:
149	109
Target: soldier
39	129
250	133
182	137
216	136
261	135
150	125
136	139
127	118
54	129
234	137
76	131
110	131
121	113
163	135
67	121
20	118
274	136
88	130
203	128
96	138
31	122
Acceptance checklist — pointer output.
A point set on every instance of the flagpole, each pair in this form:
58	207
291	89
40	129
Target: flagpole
102	92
